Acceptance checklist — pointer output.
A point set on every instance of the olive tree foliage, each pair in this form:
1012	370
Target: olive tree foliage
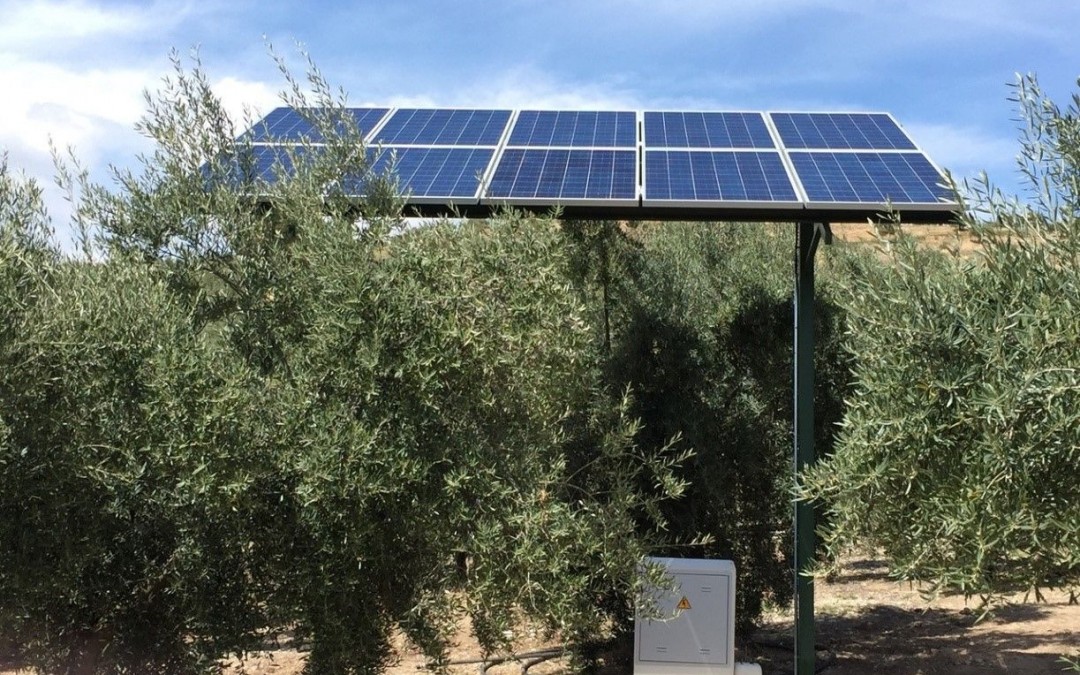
699	320
124	464
245	411
958	455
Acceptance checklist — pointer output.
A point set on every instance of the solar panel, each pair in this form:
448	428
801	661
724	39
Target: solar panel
436	172
265	163
869	177
288	124
625	164
706	130
423	173
553	174
692	176
418	126
574	128
832	131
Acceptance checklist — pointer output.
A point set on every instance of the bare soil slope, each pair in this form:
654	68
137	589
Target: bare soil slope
942	237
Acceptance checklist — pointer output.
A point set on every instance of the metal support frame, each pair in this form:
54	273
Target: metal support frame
807	238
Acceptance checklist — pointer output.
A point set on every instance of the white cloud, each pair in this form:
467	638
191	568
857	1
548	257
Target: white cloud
95	111
74	72
73	107
246	98
36	24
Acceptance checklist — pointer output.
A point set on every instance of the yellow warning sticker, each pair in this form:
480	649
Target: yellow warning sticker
684	603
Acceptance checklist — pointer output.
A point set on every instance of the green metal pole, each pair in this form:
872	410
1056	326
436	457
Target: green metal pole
806	241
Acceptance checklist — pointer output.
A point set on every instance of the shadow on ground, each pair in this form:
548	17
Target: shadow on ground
888	640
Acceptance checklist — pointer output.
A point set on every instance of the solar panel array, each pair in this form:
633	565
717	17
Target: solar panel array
780	164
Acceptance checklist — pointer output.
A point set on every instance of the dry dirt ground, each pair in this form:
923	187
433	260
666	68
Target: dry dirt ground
866	623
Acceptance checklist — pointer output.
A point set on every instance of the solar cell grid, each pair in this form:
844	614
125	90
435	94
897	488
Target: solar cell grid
367	118
881	130
574	128
287	124
837	131
868	177
283	124
558	174
419	126
436	172
706	130
422	172
681	175
266	162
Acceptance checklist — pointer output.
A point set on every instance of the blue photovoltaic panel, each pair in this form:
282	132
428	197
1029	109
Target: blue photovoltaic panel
682	175
264	163
570	128
706	130
874	177
565	174
422	172
286	124
412	126
281	124
436	172
837	131
599	163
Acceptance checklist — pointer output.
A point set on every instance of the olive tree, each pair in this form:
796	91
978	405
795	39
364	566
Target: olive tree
958	453
125	468
258	403
697	321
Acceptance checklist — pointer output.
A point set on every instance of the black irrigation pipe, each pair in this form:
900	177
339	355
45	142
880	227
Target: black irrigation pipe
527	659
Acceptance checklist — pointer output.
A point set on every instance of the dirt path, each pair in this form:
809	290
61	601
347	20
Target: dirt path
869	624
866	624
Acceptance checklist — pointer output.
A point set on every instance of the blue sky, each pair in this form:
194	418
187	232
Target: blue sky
76	70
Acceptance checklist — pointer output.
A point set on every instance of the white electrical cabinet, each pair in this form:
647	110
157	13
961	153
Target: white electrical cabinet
696	632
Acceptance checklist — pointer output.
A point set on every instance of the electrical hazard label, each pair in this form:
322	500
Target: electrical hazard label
683	604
